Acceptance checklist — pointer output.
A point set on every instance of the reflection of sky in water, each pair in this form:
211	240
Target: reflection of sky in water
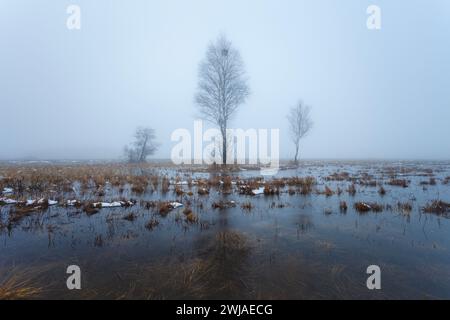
297	251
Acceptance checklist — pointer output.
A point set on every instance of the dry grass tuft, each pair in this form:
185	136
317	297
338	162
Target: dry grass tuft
165	185
437	207
151	224
247	206
343	206
363	207
90	209
203	191
130	217
404	207
18	283
398	182
164	208
351	189
223	204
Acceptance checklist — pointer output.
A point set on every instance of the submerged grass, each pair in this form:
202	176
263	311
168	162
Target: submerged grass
24	282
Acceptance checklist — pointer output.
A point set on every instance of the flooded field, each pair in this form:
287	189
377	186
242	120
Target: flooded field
157	232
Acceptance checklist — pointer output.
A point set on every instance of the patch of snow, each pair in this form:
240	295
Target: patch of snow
176	205
114	204
258	191
8	190
8	201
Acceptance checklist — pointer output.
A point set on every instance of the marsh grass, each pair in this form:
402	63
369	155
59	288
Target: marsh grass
343	207
438	207
398	182
247	206
164	208
190	216
90	209
130	217
404	207
363	207
222	204
21	282
351	189
165	185
152	224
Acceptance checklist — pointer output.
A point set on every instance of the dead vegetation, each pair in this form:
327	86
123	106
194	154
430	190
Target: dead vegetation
223	204
430	182
165	185
398	182
338	176
363	207
351	189
90	209
404	207
191	217
164	208
130	217
438	207
343	206
18	283
152	224
247	206
271	189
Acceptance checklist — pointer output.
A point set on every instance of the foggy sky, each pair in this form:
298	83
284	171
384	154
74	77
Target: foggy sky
80	94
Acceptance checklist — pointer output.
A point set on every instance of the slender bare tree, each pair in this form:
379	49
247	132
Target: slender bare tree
300	124
143	146
222	87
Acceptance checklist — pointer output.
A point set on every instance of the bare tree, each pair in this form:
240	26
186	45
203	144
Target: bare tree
222	86
143	146
300	124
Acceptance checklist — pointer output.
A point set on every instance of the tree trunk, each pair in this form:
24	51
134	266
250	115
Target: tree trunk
141	157
224	146
296	154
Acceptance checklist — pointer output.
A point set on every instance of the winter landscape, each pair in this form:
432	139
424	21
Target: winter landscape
298	150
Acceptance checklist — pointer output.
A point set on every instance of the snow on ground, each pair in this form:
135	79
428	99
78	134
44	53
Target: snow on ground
8	201
176	205
258	191
7	190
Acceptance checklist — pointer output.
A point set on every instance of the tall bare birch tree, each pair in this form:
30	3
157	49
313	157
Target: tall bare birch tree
222	86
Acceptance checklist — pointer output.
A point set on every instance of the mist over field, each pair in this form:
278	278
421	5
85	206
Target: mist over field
80	94
222	150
